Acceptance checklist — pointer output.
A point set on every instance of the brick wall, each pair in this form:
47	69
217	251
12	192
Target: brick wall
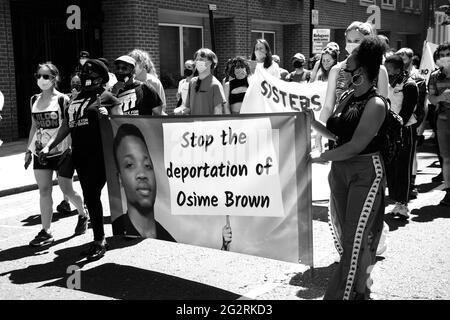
8	126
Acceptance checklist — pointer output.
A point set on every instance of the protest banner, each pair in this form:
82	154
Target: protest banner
427	64
249	172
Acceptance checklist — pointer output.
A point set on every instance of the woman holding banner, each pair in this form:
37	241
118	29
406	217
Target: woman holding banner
263	55
357	178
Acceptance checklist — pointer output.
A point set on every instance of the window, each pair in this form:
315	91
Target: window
412	6
269	36
407	4
343	1
177	43
366	2
388	4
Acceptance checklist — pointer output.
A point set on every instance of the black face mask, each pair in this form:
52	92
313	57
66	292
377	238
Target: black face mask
123	77
395	79
297	64
188	72
88	81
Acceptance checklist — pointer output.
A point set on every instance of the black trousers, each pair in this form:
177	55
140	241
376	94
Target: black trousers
399	171
90	168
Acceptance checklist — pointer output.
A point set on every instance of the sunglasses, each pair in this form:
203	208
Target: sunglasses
45	76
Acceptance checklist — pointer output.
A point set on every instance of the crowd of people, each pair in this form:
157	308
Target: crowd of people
65	134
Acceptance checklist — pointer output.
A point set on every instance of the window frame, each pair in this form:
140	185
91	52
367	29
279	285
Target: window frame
366	3
180	33
274	38
389	6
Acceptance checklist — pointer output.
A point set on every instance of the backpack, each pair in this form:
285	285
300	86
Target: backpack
419	111
391	131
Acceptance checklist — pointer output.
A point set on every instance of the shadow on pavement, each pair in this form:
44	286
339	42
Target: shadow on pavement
429	213
394	222
56	269
427	187
127	282
36	219
313	282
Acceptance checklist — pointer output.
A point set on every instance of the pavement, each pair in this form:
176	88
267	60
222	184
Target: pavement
414	267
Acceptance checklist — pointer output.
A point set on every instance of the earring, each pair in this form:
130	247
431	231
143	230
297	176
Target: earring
356	76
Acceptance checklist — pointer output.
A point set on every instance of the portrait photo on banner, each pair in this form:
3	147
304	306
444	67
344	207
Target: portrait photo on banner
240	184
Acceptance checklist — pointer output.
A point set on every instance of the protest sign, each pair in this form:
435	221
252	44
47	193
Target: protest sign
427	64
320	38
251	171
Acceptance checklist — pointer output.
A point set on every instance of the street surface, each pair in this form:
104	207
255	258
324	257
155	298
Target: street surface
415	265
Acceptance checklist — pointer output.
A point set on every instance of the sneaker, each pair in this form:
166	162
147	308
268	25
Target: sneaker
401	210
438	178
64	207
82	225
413	192
42	238
95	252
446	200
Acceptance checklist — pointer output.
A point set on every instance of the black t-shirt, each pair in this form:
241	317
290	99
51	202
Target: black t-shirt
343	125
123	225
138	98
82	117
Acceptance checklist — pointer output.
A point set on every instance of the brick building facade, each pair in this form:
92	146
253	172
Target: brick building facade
170	30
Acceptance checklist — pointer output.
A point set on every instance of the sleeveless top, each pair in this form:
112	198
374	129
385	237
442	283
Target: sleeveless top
48	120
344	124
236	84
344	81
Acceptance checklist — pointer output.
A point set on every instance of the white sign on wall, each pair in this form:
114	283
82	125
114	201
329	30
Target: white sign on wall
320	38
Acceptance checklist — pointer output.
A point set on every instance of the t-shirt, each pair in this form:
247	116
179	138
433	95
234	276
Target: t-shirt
403	99
82	117
123	225
209	94
48	120
437	86
138	98
183	89
273	69
156	84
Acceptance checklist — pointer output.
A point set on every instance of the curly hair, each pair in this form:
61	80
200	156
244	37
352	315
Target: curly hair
143	58
369	55
239	62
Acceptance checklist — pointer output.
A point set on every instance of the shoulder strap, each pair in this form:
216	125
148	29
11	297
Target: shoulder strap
33	100
61	101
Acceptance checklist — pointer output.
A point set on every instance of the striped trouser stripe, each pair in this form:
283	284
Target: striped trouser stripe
364	217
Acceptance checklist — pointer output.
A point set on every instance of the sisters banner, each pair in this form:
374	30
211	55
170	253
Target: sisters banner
238	183
267	94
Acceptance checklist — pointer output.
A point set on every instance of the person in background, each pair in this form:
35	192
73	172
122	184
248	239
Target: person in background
205	95
112	77
183	87
136	97
407	55
82	122
403	95
227	72
145	72
262	55
328	59
82	58
299	74
47	116
283	72
439	95
357	175
236	88
416	61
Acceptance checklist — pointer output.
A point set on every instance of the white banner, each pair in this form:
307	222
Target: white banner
223	168
268	94
427	64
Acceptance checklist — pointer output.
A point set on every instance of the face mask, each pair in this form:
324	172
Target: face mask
444	62
395	79
44	84
351	46
200	66
260	55
297	64
188	72
240	73
123	77
82	61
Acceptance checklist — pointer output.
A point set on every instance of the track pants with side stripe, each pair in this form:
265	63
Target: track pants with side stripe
356	212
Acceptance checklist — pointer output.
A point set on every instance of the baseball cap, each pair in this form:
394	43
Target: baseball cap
126	59
299	56
84	54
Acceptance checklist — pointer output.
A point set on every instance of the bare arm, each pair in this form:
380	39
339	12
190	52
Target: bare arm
330	98
371	121
314	71
226	106
218	109
63	131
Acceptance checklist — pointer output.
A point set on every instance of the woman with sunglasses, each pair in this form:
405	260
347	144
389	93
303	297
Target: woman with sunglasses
47	116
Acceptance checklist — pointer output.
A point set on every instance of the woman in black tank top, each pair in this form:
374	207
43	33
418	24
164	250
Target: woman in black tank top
357	178
236	88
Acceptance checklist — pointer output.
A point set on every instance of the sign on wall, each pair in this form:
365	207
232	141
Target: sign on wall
320	38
